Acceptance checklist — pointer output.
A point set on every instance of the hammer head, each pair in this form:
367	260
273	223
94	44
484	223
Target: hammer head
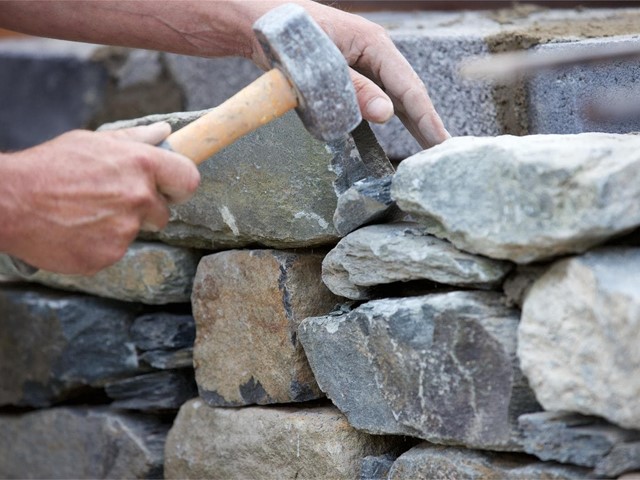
295	44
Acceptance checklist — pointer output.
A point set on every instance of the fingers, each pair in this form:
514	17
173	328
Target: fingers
374	104
152	134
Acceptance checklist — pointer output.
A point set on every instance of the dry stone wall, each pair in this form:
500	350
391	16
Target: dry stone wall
315	313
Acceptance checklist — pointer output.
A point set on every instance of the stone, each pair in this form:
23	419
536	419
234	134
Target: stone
533	197
376	467
441	367
266	442
168	359
623	458
518	283
433	461
401	252
163	331
157	391
577	341
247	305
572	438
55	346
149	273
79	442
366	201
275	187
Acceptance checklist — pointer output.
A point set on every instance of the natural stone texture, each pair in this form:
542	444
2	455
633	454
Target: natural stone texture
276	187
376	467
168	359
580	440
149	273
67	443
443	366
247	305
400	252
55	345
366	201
518	283
578	336
153	391
435	462
532	197
267	442
163	331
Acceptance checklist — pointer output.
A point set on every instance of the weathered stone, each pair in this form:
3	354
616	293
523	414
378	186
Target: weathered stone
376	467
518	283
524	198
55	345
163	331
578	336
247	305
153	391
432	461
400	252
442	365
624	457
149	273
267	442
276	187
81	443
168	359
572	438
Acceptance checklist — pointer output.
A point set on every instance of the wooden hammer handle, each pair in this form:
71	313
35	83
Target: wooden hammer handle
264	100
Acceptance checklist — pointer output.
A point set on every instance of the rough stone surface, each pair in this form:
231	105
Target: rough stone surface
156	391
168	359
163	331
432	461
442	365
533	197
518	283
247	305
400	252
149	273
276	187
578	336
579	440
64	443
267	442
624	457
55	345
376	467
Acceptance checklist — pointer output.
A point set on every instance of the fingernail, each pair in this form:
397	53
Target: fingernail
379	109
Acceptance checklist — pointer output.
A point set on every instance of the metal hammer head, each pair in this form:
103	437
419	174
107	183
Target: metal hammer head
295	44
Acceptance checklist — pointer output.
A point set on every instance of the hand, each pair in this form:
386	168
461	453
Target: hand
75	203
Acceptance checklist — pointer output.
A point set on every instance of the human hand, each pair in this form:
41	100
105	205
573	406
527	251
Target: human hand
74	204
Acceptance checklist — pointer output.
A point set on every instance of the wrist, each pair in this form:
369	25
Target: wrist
12	190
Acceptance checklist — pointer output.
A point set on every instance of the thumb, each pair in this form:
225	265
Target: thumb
152	134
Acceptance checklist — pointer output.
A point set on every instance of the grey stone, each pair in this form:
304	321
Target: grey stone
163	331
366	201
432	461
441	365
57	345
376	467
267	443
623	458
572	438
168	359
275	187
149	273
64	443
247	305
578	336
518	283
401	252
532	197
153	391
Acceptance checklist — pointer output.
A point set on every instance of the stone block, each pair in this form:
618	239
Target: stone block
55	345
247	305
432	461
401	252
163	331
153	392
268	443
441	367
149	273
577	341
76	442
524	199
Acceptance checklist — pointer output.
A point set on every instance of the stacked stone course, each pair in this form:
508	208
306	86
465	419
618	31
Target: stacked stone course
315	313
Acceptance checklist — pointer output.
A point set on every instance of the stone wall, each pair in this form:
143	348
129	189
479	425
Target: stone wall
314	312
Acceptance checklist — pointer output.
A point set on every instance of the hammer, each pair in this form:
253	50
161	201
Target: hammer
310	74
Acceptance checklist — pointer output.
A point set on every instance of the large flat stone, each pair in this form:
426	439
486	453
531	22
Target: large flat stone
442	367
268	443
578	336
524	198
153	392
64	443
247	305
55	345
150	273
